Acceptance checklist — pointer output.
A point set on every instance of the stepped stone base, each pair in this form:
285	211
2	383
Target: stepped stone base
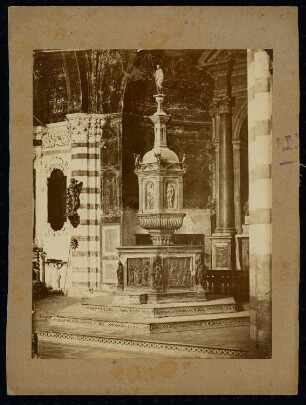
131	297
148	325
151	318
225	305
139	345
180	329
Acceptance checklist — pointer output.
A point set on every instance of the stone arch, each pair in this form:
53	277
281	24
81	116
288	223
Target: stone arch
239	120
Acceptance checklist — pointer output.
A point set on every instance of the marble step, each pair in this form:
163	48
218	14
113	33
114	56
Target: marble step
150	325
225	305
176	347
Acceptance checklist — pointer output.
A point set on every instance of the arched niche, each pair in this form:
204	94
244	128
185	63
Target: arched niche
57	185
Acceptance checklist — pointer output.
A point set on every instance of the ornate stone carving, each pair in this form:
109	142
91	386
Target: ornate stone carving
57	135
178	270
161	221
78	126
73	201
156	276
56	163
162	168
224	105
95	129
138	271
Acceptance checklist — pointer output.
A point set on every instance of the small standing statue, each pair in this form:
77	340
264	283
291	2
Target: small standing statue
137	160
183	161
146	273
158	158
157	275
120	275
199	274
170	195
159	79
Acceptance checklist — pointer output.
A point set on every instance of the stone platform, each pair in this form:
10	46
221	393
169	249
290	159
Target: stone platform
151	318
131	296
193	329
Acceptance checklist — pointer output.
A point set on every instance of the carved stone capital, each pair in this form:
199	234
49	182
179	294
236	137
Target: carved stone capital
225	105
78	125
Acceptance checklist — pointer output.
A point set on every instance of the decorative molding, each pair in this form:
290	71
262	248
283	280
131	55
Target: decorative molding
169	311
56	163
137	344
57	135
150	326
161	221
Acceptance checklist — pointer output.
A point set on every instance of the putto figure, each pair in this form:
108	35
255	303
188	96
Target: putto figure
159	79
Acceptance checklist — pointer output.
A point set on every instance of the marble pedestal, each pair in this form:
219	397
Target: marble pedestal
176	281
222	251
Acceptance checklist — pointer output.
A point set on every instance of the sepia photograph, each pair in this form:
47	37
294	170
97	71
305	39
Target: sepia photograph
152	203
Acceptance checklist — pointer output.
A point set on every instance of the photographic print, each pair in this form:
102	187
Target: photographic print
152	201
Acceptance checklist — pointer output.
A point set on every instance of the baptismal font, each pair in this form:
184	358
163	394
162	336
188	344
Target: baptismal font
161	271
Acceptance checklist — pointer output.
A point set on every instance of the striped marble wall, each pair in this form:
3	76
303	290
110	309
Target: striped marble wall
86	132
260	196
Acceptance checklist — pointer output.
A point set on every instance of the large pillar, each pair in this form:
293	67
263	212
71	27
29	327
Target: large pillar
222	241
86	132
260	199
226	171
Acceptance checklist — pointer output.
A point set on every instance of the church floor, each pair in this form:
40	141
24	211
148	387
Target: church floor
228	338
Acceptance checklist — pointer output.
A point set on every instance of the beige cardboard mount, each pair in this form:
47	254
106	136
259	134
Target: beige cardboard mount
274	28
